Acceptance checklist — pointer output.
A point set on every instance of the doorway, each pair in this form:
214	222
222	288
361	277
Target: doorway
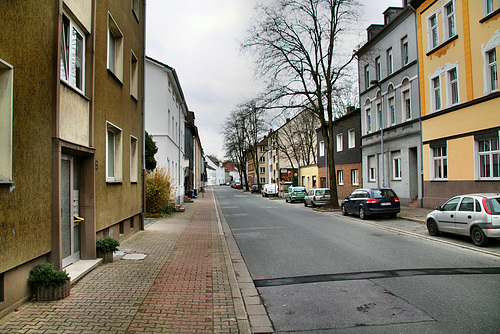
70	210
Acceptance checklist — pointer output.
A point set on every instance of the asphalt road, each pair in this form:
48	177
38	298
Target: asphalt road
324	273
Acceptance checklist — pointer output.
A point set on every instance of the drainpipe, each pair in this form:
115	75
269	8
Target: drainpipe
143	98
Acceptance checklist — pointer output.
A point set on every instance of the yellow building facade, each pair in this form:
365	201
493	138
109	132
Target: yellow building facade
458	45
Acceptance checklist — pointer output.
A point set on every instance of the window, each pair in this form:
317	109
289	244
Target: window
113	153
136	9
450	30
351	138
392	110
373	174
372	170
340	177
440	162
368	121
491	71
367	76
6	108
134	76
263	180
354	177
340	145
407	104
262	159
405	55
379	115
489	6
396	166
453	85
262	149
436	86
134	160
72	54
489	158
378	69
262	170
314	181
434	32
467	204
322	148
115	49
389	61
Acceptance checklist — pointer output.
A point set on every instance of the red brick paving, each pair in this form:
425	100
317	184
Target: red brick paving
182	285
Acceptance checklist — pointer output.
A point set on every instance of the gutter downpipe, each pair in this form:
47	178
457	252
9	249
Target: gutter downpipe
143	98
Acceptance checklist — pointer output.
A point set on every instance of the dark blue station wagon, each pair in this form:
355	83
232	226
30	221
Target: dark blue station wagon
367	202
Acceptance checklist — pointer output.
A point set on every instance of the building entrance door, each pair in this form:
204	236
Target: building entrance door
70	210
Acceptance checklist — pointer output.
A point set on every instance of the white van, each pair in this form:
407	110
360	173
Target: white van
270	189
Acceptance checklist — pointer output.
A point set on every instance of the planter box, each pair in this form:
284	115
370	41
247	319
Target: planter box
46	293
106	257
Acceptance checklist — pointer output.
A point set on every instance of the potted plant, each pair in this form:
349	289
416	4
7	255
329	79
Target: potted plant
48	283
105	248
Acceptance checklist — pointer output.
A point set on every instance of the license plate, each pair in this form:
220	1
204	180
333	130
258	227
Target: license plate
385	203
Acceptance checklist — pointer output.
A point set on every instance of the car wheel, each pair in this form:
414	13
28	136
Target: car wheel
344	210
312	204
362	213
478	237
305	204
432	227
286	199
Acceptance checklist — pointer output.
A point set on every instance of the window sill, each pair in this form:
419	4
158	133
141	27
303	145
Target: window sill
439	180
442	45
115	76
113	181
489	16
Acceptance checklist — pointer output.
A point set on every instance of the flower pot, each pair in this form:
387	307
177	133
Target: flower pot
51	292
107	257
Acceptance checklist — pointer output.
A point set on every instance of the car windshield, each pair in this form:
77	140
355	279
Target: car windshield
493	204
384	193
299	189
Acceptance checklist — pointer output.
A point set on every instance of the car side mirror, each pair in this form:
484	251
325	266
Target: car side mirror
439	208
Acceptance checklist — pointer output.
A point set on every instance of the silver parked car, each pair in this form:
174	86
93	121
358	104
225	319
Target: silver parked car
477	215
317	197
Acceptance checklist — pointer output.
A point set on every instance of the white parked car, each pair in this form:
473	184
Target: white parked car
317	197
477	215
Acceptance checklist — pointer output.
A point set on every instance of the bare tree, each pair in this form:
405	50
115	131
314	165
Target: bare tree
234	143
298	48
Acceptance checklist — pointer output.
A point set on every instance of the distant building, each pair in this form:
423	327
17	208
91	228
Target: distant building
258	172
459	44
215	174
390	106
166	114
231	173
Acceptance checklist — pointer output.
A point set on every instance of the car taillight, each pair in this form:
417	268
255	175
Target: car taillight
488	211
293	193
371	201
396	199
314	198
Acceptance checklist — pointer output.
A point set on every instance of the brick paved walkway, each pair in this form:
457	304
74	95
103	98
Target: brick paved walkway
182	285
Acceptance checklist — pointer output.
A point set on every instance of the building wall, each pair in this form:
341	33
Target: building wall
348	185
115	104
458	126
402	141
25	195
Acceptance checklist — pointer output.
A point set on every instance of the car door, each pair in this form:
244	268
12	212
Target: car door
446	216
464	216
349	203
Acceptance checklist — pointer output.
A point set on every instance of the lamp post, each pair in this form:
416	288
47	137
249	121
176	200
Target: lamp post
376	82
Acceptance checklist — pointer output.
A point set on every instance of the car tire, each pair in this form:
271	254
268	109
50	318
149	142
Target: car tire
305	203
344	210
478	237
312	204
362	214
432	227
286	199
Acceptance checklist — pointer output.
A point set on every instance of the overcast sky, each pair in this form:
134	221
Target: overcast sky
200	39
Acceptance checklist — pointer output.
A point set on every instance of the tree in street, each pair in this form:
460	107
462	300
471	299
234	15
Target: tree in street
298	48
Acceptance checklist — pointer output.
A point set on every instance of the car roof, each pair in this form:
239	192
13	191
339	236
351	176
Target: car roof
486	195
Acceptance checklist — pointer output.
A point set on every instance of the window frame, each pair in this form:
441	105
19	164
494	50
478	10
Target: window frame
405	51
436	95
490	153
406	100
136	9
368	120
397	173
354	177
351	138
340	142
433	31
453	87
68	52
262	170
6	121
322	148
340	177
134	76
134	159
443	166
490	67
450	27
390	61
378	69
115	34
367	76
117	153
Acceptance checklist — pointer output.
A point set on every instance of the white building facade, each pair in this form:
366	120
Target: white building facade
215	172
165	114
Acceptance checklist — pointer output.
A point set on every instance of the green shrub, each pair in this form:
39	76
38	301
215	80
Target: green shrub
46	274
107	244
159	190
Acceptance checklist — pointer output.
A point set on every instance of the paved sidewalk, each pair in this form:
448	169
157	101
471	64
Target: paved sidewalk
185	284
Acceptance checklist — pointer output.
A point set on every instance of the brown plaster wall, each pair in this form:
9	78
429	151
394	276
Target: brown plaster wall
25	211
436	193
346	189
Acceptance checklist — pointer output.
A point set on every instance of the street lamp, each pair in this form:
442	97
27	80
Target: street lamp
376	82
